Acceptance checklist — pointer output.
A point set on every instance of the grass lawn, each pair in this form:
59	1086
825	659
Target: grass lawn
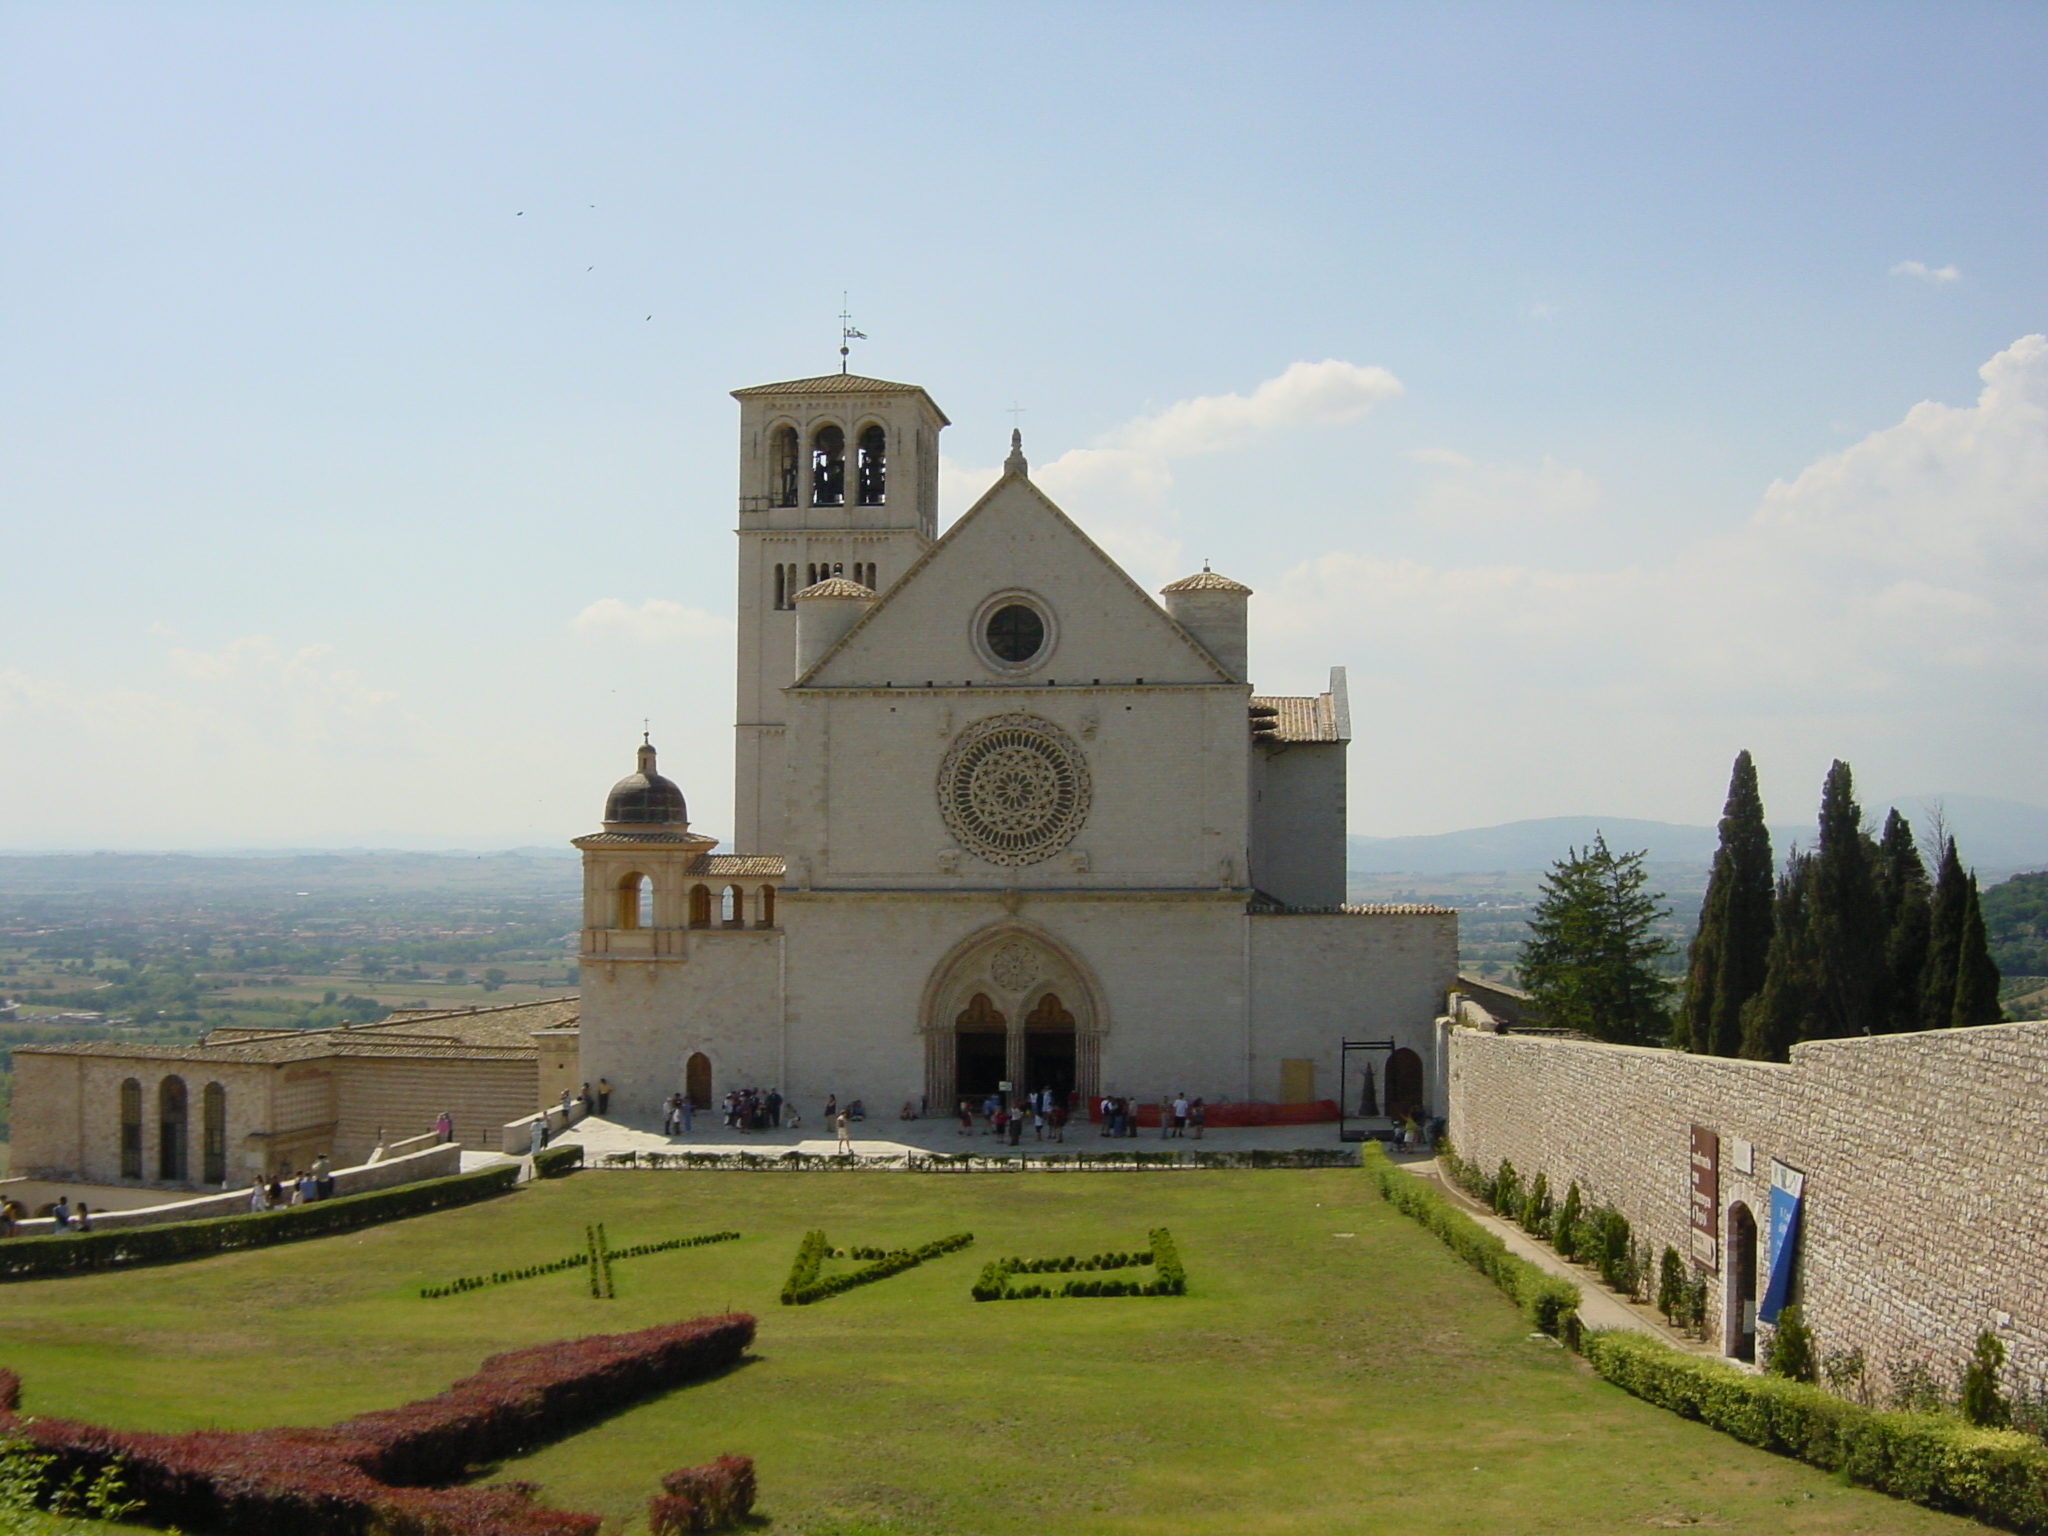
1312	1382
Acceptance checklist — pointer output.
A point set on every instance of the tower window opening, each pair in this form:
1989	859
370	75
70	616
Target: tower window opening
872	467
838	568
636	902
731	908
790	592
767	906
782	456
700	906
781	587
811	574
828	468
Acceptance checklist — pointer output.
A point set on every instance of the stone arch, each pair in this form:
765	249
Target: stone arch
784	457
871	464
1404	1092
172	1113
131	1129
1015	967
1739	1288
697	1080
766	910
700	906
635	893
732	907
828	465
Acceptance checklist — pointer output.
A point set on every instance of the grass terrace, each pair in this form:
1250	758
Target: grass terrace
1332	1367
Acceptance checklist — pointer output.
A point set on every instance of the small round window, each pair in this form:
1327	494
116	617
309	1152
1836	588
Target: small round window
1015	633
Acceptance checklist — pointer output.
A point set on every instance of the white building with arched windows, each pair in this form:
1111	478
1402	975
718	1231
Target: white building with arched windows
1000	817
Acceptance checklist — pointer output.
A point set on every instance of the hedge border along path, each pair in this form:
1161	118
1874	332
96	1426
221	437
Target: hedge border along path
47	1255
1997	1476
388	1470
807	1281
977	1162
1550	1304
994	1284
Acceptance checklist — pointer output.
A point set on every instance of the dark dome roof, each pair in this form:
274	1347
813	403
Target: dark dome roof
645	798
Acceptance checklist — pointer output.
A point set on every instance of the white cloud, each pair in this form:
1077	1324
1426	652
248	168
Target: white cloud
1543	311
654	622
1462	490
1927	274
1120	487
1890	601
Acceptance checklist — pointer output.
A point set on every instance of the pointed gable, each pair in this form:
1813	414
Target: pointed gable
1014	541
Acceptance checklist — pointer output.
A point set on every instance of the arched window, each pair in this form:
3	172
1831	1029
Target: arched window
767	906
213	1135
170	1115
873	467
636	902
700	906
811	574
131	1129
781	586
782	459
828	467
732	908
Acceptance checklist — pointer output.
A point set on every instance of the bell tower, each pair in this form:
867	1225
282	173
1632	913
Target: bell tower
839	478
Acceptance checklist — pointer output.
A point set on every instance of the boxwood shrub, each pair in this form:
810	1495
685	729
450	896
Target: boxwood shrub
1549	1303
78	1253
808	1283
553	1162
1997	1476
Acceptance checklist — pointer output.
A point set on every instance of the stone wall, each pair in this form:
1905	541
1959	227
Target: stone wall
1926	1210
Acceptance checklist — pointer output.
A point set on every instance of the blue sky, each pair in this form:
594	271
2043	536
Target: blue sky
1640	383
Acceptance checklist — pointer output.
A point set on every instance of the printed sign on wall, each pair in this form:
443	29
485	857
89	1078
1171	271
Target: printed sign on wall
1788	1188
1706	1198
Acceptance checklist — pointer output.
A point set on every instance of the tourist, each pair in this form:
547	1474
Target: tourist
1017	1125
966	1118
1106	1103
1059	1122
907	1112
604	1094
536	1135
567	1099
688	1110
10	1219
831	1108
774	1109
845	1140
444	1126
259	1197
84	1217
1180	1113
275	1189
1196	1111
323	1178
1038	1121
1165	1116
60	1213
999	1122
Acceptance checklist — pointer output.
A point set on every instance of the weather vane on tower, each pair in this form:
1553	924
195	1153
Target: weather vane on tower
846	331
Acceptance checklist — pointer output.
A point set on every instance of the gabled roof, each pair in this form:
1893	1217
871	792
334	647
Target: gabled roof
1012	481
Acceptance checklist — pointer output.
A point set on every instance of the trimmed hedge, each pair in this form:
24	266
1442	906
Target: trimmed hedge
1997	1476
388	1470
976	1162
1171	1280
553	1162
466	1283
714	1497
1549	1303
807	1282
44	1256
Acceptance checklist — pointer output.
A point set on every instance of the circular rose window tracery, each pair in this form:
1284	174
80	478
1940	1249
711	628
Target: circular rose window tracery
1014	789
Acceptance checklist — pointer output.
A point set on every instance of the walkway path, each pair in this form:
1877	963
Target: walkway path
1598	1306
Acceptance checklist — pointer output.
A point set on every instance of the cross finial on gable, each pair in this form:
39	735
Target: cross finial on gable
1016	463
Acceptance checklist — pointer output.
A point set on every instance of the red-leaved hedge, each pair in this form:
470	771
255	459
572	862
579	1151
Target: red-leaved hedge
379	1470
715	1497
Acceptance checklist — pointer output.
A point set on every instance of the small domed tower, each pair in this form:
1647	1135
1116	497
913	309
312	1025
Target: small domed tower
1212	609
636	871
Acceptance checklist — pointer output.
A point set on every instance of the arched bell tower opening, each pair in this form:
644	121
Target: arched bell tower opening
1014	1005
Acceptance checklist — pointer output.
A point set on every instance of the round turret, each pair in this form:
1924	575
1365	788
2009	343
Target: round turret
1212	609
825	611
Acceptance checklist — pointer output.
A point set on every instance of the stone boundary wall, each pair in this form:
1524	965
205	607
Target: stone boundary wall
1926	1205
435	1162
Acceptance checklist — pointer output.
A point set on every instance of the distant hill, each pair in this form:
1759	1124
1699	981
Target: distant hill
1995	836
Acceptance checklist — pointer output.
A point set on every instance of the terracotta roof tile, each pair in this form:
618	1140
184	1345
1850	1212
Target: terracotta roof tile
1302	717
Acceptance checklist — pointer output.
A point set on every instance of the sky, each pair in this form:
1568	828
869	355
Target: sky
1609	388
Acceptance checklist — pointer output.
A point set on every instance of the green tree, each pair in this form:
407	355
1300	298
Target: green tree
1976	1000
1982	1402
1944	939
1591	958
1847	917
1776	1017
1725	966
1903	890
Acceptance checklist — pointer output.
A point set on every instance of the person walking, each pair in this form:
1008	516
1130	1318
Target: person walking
845	1139
444	1126
966	1118
604	1094
1196	1112
688	1110
1180	1113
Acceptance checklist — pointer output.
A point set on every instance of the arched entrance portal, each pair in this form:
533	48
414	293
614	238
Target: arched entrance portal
1404	1084
697	1079
1010	1005
1738	1289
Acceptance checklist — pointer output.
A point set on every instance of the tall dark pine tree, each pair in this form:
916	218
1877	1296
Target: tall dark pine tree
1725	967
1976	974
1591	958
1902	885
1846	915
1944	940
1776	1018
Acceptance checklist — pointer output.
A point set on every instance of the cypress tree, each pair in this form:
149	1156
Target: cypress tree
1846	916
1976	976
1944	940
1902	885
1776	1017
1725	967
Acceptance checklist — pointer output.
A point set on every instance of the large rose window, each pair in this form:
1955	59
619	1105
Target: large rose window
1014	789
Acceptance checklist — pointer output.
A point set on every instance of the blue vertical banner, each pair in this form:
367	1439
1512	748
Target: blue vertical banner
1788	1190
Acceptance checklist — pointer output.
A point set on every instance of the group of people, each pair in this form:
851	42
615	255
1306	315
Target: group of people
751	1109
66	1216
302	1187
1178	1114
1044	1110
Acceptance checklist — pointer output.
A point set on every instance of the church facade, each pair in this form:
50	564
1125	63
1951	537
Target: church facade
1000	817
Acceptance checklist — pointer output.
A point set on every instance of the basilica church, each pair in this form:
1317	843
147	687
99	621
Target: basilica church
1001	817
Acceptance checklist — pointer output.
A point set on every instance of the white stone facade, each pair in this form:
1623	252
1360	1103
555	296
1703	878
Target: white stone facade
1002	818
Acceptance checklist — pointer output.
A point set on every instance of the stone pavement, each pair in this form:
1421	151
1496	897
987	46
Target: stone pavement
1598	1306
890	1138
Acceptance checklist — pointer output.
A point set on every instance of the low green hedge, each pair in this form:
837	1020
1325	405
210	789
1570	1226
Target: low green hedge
1170	1278
553	1162
808	1283
1549	1303
1997	1476
42	1257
